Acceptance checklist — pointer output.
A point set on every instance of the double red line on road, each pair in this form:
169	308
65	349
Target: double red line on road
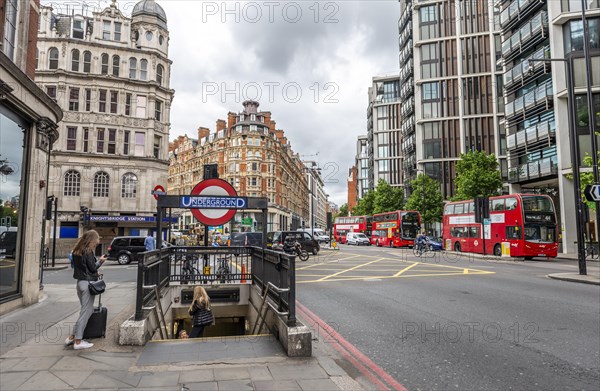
364	364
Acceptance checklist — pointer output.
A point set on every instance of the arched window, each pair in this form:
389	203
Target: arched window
75	60
104	69
101	181
129	185
143	69
159	74
87	61
72	185
115	65
132	68
53	58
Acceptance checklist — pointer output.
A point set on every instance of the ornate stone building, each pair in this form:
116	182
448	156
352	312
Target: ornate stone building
110	74
255	158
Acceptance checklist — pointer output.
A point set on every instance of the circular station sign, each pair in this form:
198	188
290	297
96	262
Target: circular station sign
213	187
158	190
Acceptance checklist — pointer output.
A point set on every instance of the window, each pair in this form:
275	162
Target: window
73	99
474	232
53	58
88	99
10	28
106	30
143	69
102	101
51	91
71	138
140	110
140	144
431	91
157	141
75	60
497	204
128	104
86	139
101	182
573	35
132	68
149	35
160	70
104	63
87	61
78	29
115	65
37	58
161	39
112	141
114	98
513	232
72	185
100	141
117	36
129	185
158	110
511	203
126	136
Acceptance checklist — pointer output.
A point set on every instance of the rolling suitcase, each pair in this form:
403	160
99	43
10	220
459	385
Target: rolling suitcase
96	325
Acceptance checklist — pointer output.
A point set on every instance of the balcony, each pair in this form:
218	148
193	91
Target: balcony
518	11
543	132
405	17
406	71
408	107
405	53
407	89
547	167
534	102
525	71
405	35
408	126
406	150
529	35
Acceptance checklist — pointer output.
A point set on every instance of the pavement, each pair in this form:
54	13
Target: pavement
33	355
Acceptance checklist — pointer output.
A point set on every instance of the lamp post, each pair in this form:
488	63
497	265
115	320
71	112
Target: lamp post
574	144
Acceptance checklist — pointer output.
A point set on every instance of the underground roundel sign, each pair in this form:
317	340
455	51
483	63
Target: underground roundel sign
213	202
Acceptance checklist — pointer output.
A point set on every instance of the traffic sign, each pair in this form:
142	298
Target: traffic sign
592	193
218	199
158	190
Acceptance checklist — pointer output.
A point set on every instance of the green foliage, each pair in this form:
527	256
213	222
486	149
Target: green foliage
426	197
364	206
387	198
343	211
477	175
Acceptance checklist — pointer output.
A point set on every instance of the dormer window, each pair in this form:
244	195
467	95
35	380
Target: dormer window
118	31
106	30
252	117
78	29
241	117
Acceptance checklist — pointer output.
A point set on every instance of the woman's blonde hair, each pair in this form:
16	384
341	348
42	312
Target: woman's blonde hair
87	243
200	296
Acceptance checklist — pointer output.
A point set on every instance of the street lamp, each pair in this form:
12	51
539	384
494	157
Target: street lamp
574	144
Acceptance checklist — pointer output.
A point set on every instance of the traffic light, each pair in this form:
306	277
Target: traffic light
482	209
49	206
211	171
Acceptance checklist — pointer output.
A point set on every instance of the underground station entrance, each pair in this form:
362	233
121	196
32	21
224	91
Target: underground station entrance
251	290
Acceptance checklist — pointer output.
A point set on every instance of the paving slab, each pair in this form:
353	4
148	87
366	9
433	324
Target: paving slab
330	366
99	380
12	380
276	385
38	363
303	370
133	379
197	376
73	378
74	363
259	373
235	385
6	364
203	386
165	379
238	373
318	384
43	380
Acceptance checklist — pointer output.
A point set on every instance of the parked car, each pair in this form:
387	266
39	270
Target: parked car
276	239
246	239
317	233
125	249
435	244
357	238
8	244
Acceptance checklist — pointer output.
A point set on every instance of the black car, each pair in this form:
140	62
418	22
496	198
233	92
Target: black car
8	244
276	239
124	249
246	239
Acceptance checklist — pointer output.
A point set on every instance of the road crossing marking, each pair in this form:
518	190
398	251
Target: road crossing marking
405	269
352	268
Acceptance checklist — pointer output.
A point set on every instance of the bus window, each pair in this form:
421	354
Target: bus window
470	207
449	209
474	232
511	203
458	208
513	232
498	204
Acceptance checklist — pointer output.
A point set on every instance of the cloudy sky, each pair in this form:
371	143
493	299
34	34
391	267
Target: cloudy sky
310	63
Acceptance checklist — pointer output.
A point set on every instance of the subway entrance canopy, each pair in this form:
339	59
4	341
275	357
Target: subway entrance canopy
212	202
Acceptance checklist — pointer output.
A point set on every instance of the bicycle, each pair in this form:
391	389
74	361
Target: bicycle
223	268
591	252
188	269
421	248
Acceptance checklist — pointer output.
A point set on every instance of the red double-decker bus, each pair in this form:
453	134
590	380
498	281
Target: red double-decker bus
396	229
524	222
343	225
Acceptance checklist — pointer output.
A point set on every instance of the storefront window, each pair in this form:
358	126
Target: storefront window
11	163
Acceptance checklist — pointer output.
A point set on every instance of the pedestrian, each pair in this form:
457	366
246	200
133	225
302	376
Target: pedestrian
183	335
85	270
200	304
149	242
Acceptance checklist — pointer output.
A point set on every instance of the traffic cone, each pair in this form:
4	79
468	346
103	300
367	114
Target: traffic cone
243	280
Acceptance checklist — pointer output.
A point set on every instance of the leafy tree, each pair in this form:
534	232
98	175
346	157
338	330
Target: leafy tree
426	197
477	175
364	206
343	211
387	198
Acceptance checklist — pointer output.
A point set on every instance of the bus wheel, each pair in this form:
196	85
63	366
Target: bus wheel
528	258
457	247
391	244
498	250
377	243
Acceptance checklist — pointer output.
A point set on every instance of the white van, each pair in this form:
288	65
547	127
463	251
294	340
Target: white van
357	238
318	234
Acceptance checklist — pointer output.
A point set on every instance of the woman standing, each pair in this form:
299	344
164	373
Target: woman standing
198	309
85	270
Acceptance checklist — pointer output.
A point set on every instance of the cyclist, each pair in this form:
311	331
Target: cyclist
422	240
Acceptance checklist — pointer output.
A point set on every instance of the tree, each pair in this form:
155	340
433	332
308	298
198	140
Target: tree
343	211
477	175
426	197
364	206
387	198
